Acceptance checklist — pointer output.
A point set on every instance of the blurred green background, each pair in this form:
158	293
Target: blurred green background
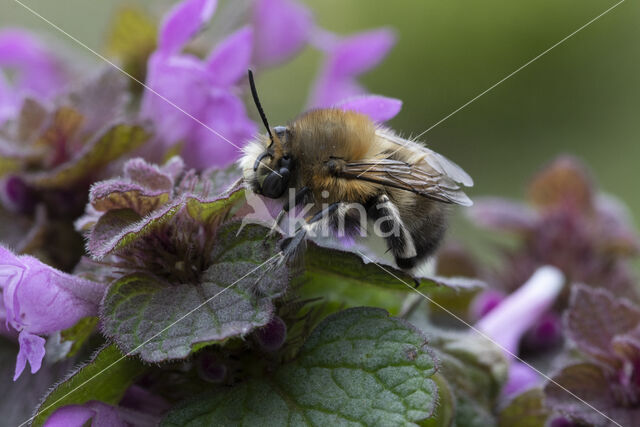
583	97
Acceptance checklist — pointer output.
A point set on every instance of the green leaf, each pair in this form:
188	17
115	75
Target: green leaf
526	410
106	147
356	269
473	367
115	230
105	378
358	367
230	299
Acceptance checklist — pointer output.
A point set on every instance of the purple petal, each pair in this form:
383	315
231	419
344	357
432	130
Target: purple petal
70	415
226	114
8	103
179	86
31	349
40	299
328	90
359	53
182	22
39	73
521	378
378	108
506	323
484	302
347	58
282	27
77	415
231	58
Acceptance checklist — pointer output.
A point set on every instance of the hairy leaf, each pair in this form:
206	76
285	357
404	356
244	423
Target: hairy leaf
588	382
105	378
119	194
526	410
473	367
595	317
358	367
117	229
106	147
357	269
163	321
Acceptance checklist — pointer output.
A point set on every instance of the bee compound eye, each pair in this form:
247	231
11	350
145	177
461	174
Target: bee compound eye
281	131
275	183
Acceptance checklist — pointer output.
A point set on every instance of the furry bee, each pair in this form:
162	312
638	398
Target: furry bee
335	159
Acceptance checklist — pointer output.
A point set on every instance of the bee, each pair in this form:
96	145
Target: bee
337	159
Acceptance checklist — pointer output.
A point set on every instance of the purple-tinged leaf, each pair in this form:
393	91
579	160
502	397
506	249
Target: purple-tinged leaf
183	22
590	383
95	155
164	321
378	108
501	214
109	235
565	181
614	220
120	194
595	317
151	176
101	99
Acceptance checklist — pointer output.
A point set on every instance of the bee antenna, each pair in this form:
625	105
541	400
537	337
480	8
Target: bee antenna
256	100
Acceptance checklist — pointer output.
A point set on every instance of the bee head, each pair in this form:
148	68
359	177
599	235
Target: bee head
271	168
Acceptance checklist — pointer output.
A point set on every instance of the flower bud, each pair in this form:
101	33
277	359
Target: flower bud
272	335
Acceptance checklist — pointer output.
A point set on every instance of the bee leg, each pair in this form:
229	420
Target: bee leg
298	198
394	231
320	220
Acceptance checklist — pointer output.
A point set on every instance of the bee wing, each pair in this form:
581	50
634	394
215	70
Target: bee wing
429	174
437	161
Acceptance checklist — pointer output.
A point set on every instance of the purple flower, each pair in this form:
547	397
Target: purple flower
521	378
183	85
484	302
378	108
516	314
282	27
39	300
273	335
100	413
38	73
346	59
